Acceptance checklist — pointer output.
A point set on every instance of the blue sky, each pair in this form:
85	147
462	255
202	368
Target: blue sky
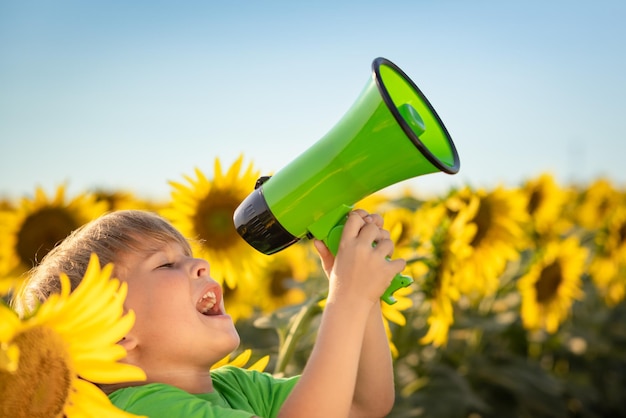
131	94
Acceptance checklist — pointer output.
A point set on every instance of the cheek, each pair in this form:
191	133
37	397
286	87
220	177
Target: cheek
158	304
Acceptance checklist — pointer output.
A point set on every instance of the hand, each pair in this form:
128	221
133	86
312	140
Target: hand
361	270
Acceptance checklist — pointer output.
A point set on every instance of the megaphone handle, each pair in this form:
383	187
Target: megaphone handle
399	281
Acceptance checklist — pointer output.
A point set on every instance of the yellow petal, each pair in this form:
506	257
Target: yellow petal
107	372
88	401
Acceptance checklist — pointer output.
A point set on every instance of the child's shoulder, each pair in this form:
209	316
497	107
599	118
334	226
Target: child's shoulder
234	373
257	391
238	376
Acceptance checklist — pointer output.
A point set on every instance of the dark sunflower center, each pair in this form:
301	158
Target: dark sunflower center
405	235
41	385
483	221
41	231
279	281
432	285
549	281
603	207
214	221
534	201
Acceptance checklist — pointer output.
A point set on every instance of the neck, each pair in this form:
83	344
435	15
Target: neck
192	381
198	381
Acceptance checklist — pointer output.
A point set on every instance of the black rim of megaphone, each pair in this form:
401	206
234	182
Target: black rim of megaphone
405	126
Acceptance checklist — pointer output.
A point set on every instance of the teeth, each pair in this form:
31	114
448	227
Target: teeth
209	295
207	302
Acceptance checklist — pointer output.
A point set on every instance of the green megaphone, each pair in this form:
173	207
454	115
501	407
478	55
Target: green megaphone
390	134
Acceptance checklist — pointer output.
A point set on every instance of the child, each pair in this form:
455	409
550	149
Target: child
182	328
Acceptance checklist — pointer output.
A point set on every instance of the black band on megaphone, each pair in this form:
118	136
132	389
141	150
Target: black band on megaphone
256	223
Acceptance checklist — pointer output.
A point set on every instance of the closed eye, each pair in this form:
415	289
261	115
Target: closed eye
166	265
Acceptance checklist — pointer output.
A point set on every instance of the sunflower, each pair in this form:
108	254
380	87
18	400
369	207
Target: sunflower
545	206
404	228
497	217
608	266
6	204
598	201
281	281
383	202
123	199
279	284
441	317
203	211
241	360
241	302
373	203
69	342
552	284
36	225
446	249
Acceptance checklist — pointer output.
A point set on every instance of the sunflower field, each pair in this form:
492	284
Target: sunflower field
517	307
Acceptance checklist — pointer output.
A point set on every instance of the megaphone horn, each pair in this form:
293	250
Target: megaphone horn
390	134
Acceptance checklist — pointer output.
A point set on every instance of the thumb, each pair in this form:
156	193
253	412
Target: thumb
326	256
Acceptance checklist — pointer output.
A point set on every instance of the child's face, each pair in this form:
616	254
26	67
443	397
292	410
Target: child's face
180	316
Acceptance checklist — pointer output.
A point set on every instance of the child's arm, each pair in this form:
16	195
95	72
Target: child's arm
374	392
375	373
349	370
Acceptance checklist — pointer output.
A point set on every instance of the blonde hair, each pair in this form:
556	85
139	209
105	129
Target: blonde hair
110	237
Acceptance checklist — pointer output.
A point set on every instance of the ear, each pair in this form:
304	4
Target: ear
130	344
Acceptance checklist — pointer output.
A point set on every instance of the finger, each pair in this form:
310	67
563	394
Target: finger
376	219
326	257
383	234
321	248
397	265
361	212
370	232
353	225
370	217
385	248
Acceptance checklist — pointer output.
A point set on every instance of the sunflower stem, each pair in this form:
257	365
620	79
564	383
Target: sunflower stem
297	328
416	259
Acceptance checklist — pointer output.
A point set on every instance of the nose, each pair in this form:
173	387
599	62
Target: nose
200	268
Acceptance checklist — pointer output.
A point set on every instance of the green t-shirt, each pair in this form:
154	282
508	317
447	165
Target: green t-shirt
238	393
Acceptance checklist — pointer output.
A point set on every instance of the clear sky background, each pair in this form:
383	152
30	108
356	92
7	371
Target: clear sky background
130	94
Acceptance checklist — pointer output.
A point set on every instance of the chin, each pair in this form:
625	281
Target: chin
236	341
227	346
231	340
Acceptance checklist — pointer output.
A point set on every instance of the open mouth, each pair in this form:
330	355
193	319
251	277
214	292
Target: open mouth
209	303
